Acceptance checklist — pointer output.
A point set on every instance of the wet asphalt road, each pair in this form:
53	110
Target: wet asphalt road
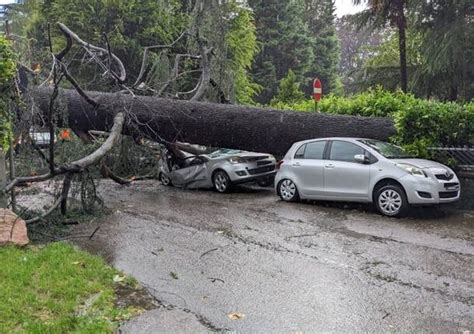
288	268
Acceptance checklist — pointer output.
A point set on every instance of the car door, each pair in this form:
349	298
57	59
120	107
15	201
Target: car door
308	165
345	178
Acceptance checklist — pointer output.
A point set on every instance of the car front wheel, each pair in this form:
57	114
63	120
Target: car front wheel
165	180
288	191
391	201
221	182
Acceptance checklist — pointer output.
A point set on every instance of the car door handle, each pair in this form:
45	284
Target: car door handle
329	166
296	164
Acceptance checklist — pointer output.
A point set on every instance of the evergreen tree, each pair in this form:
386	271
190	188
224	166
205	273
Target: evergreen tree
447	29
285	43
288	90
320	17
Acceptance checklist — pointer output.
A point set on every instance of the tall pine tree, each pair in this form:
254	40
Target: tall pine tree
285	43
320	17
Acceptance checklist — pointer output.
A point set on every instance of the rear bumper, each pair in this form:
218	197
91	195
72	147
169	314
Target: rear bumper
426	191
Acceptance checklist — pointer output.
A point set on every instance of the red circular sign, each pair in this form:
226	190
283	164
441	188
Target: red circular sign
317	90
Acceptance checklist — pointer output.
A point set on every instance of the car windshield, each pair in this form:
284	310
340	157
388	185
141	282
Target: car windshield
388	150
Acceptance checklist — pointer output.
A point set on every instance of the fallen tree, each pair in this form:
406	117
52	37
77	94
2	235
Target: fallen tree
163	120
210	124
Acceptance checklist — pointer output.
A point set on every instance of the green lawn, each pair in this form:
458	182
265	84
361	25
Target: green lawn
58	289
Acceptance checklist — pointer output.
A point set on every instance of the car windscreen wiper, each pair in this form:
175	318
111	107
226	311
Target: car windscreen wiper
400	157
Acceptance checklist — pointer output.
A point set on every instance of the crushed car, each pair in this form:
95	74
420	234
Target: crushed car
220	169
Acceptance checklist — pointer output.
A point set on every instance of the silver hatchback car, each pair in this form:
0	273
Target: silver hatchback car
220	169
363	170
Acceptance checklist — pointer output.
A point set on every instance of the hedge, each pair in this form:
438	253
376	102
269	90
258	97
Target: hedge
420	123
7	72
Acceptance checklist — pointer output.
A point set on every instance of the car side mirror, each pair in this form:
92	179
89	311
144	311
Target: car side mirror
361	158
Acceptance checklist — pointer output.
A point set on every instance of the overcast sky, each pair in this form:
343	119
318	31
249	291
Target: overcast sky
343	7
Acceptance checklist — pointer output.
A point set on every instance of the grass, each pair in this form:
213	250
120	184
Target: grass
59	289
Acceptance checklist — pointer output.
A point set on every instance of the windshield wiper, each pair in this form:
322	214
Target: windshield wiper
400	157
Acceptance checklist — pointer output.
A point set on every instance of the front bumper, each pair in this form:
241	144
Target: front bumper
429	190
247	172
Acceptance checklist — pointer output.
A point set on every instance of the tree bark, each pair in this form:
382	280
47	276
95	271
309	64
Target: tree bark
402	22
217	125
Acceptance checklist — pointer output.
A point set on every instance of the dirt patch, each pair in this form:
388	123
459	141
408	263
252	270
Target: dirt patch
134	296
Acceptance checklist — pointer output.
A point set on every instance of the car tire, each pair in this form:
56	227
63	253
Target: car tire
287	191
165	180
391	201
221	181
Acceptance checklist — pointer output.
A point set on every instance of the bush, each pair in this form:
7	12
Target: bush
419	123
7	72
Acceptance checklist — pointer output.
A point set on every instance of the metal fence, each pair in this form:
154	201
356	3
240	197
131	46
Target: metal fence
462	158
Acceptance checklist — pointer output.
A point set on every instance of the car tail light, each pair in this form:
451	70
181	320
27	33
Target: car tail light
278	164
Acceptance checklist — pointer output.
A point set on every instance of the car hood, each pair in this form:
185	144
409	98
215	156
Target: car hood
420	163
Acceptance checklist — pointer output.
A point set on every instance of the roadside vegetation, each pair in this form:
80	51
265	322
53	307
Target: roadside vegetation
56	288
420	123
406	60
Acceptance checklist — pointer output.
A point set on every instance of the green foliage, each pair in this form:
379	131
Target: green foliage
383	68
45	289
7	61
288	91
285	43
320	17
5	124
419	123
129	26
242	42
447	46
7	72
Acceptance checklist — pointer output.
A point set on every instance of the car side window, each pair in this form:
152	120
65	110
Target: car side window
344	151
300	152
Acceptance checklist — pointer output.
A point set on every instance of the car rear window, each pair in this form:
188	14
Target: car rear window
314	150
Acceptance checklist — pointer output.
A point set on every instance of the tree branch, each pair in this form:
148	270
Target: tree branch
145	56
206	71
81	164
123	74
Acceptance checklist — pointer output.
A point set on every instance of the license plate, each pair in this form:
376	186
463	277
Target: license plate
452	188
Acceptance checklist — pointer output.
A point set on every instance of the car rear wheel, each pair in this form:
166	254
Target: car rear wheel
221	181
288	191
391	201
165	180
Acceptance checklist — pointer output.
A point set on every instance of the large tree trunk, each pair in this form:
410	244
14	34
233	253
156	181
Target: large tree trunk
218	125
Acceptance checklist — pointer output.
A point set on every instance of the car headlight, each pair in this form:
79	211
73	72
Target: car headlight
235	160
413	170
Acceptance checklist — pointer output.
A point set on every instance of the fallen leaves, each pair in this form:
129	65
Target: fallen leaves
174	275
235	316
118	278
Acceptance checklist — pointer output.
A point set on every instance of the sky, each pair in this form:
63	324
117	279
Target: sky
344	7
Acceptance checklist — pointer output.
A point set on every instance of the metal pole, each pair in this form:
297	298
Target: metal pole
12	173
3	181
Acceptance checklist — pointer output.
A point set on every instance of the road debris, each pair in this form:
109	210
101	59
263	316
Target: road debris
236	316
